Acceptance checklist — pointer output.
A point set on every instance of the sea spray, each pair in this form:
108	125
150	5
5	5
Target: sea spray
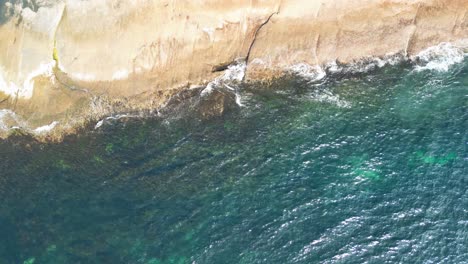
307	72
439	58
364	65
233	75
113	118
9	120
46	128
281	180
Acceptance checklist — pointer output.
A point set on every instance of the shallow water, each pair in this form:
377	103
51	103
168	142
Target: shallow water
359	168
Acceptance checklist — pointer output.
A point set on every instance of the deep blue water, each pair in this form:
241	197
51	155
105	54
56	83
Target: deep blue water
361	168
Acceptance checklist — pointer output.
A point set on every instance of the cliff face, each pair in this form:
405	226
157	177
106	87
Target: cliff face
68	59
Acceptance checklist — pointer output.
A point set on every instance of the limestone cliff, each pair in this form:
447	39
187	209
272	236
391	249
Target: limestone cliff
66	60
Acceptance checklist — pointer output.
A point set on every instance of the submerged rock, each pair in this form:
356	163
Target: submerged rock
57	56
216	103
198	103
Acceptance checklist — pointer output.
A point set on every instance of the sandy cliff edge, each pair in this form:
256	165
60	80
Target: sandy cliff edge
63	62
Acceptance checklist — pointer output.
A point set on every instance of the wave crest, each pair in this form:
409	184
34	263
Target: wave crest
235	73
439	58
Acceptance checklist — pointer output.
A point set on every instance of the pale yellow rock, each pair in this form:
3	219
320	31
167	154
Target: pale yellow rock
58	59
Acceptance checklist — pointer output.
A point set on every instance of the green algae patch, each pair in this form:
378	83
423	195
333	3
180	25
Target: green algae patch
361	166
109	148
30	261
276	175
154	261
137	248
435	160
62	164
189	235
51	249
98	159
367	174
447	158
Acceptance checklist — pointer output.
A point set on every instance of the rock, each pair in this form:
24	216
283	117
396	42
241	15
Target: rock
194	102
216	103
144	51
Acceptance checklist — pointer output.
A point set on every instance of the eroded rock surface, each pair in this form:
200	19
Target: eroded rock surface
69	60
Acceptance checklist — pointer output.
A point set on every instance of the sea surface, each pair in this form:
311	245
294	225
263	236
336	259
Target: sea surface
368	166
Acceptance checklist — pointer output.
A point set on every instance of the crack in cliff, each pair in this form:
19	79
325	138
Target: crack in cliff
256	33
413	32
317	45
225	65
55	56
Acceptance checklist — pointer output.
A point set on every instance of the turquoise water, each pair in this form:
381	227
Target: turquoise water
361	168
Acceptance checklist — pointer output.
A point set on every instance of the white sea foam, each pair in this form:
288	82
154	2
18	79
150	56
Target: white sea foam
110	118
234	73
208	89
364	65
46	128
238	97
10	120
308	72
438	58
239	100
327	97
7	117
99	124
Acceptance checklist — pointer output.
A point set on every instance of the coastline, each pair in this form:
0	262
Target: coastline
84	66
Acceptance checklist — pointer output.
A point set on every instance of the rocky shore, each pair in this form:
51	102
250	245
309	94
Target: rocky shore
64	62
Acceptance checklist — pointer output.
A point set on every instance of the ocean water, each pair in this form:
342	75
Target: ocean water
353	168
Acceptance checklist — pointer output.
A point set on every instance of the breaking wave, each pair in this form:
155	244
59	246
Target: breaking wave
46	128
364	65
328	97
439	58
307	72
9	120
233	75
109	119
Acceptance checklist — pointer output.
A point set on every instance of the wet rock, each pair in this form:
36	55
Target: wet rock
194	103
192	43
216	103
